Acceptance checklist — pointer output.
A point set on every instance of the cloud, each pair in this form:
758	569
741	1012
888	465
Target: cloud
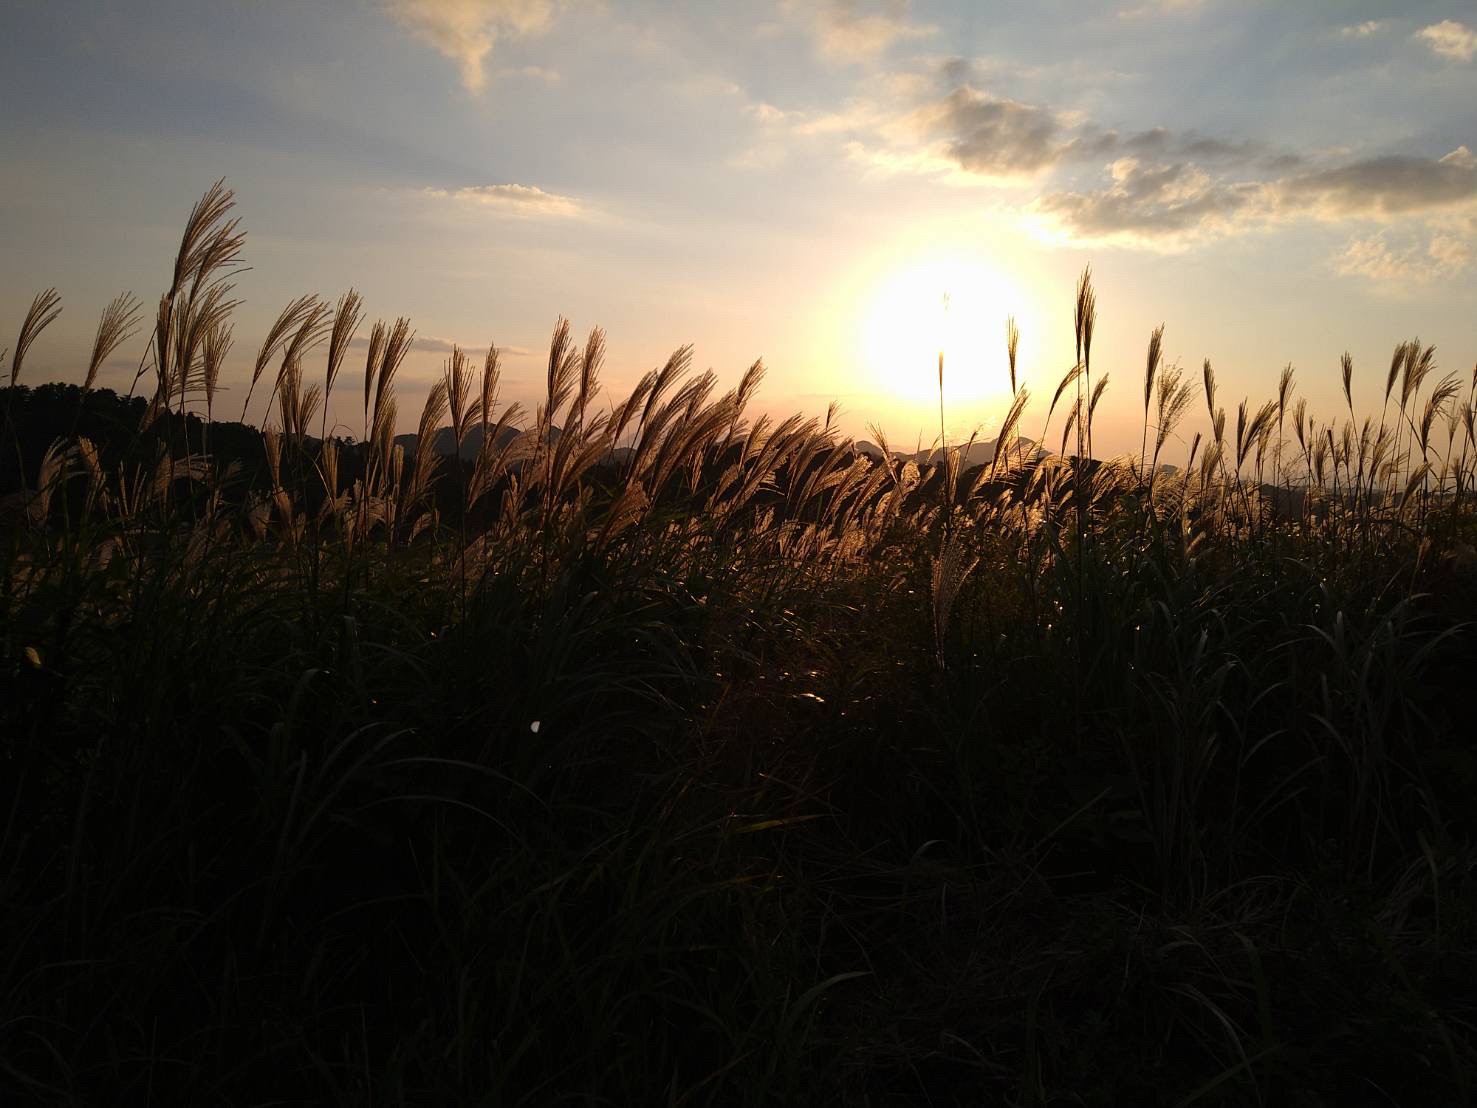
937	124
1159	8
533	73
520	200
1450	39
1450	253
993	136
1155	205
1385	186
957	127
1167	205
1363	30
1159	142
1373	259
430	344
467	30
843	32
1164	189
866	129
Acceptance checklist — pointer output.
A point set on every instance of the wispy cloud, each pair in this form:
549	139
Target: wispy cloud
1374	259
467	30
430	344
1450	39
1159	8
519	200
1367	29
533	73
847	31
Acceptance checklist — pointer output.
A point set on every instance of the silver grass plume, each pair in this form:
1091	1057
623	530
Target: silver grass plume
44	309
120	322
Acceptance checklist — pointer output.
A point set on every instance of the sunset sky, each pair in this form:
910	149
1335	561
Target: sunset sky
797	180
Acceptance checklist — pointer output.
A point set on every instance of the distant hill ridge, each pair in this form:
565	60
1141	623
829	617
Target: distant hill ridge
444	444
978	453
981	452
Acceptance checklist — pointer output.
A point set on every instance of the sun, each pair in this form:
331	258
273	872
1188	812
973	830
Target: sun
954	305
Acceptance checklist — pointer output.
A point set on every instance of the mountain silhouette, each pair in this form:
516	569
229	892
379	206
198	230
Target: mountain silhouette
978	453
444	441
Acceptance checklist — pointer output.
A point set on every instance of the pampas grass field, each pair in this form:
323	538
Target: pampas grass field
638	750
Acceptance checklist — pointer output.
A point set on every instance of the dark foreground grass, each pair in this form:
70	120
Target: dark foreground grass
732	770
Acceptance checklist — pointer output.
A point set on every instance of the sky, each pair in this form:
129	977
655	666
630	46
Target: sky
800	181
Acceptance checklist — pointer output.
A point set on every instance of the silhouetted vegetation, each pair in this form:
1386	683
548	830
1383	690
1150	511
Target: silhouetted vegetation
647	753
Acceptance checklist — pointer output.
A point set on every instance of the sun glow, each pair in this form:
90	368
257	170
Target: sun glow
954	305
